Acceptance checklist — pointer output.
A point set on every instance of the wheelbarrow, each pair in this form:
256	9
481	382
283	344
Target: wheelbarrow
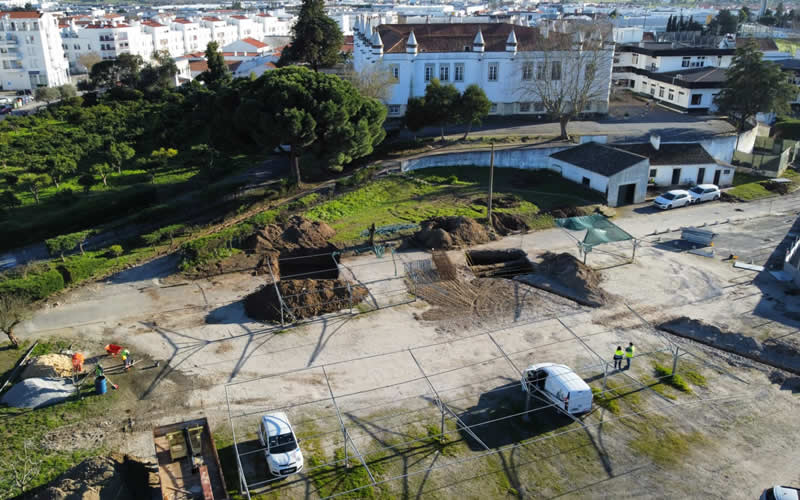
113	349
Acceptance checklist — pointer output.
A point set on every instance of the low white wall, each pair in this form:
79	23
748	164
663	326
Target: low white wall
529	158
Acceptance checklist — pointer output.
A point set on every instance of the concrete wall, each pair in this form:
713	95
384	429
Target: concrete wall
791	264
689	174
528	158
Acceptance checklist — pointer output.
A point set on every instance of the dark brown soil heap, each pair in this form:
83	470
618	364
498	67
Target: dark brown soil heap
450	232
506	224
567	276
504	201
306	298
777	187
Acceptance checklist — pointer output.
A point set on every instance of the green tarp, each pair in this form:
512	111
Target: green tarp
598	229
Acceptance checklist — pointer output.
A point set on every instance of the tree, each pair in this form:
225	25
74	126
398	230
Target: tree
372	82
67	91
472	107
102	169
670	24
47	94
118	153
206	156
218	73
34	183
415	118
723	23
441	102
9	200
87	180
158	75
61	244
314	113
89	60
569	74
753	86
60	166
316	38
125	70
13	311
745	15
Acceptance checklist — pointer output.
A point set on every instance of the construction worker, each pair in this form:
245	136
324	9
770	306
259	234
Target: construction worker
629	355
126	357
618	358
77	362
98	370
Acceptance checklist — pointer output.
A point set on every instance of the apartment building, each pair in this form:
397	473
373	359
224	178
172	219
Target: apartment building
498	57
31	54
681	77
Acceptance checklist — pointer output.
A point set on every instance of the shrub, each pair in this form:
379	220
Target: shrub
115	251
263	219
164	233
34	286
79	268
214	245
666	376
66	196
59	245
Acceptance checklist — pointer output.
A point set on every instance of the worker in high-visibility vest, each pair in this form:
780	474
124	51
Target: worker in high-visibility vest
629	355
618	358
126	358
77	362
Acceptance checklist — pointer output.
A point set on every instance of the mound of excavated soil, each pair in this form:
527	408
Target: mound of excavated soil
297	233
565	275
48	366
506	201
306	298
100	478
450	232
506	224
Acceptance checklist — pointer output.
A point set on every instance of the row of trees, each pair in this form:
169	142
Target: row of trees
444	105
679	23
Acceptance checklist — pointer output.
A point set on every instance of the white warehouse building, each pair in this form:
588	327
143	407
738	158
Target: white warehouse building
31	55
495	56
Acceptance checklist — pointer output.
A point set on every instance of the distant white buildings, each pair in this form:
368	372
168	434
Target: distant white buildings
31	54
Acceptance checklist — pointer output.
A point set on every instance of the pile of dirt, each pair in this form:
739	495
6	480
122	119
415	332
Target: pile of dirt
506	224
774	352
503	201
297	233
777	187
48	366
505	263
450	232
115	476
564	212
565	275
305	298
38	392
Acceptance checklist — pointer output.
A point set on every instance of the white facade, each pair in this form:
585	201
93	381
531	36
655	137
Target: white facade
494	64
31	54
687	175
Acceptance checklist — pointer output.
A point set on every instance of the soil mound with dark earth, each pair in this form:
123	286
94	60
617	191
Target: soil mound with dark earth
297	233
305	298
100	478
775	352
777	187
506	201
565	275
506	224
450	232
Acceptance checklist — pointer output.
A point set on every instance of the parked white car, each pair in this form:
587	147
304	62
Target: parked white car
781	493
282	449
673	199
562	386
704	192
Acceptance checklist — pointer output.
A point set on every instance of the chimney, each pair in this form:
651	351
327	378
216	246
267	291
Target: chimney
511	42
477	43
411	43
655	141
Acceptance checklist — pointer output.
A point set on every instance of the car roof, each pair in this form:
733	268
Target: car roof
785	493
276	423
707	186
570	379
677	191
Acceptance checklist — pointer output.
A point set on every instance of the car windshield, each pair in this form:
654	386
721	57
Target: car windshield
668	196
697	190
282	444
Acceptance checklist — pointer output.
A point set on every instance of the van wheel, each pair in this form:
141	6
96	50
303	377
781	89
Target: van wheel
716	198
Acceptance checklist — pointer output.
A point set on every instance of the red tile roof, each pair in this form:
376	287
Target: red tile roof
239	17
198	66
112	16
454	37
212	19
181	20
152	24
22	14
255	43
264	15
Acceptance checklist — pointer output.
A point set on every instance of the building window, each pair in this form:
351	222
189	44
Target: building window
660	91
524	107
428	72
697	99
395	71
541	71
394	109
671	96
493	72
685	62
699	63
555	73
585	181
459	73
538	106
616	59
726	172
527	71
444	72
652	90
652	173
635	59
493	108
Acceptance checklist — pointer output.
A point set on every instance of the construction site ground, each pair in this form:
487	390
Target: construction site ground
731	436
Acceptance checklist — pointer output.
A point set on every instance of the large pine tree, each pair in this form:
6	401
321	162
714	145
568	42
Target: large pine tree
316	38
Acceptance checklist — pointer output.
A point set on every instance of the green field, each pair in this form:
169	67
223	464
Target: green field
447	191
749	187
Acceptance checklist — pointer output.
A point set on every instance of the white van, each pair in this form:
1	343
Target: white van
281	447
560	385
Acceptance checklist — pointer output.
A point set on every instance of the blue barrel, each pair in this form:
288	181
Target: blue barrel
100	385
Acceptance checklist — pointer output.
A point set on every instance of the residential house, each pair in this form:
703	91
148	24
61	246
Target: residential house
31	53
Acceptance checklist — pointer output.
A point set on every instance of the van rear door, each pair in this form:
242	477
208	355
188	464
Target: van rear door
580	401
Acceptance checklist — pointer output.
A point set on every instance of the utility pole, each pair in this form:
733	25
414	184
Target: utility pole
491	185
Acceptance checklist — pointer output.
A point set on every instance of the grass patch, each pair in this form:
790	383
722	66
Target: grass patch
612	398
749	187
694	377
665	447
332	479
665	375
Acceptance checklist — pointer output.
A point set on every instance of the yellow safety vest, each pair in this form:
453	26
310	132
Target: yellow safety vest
618	353
629	351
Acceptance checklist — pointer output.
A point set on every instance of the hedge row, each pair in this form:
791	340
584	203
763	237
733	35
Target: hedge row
39	285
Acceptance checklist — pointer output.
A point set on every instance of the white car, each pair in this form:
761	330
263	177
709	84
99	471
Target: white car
673	199
781	493
704	192
282	450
